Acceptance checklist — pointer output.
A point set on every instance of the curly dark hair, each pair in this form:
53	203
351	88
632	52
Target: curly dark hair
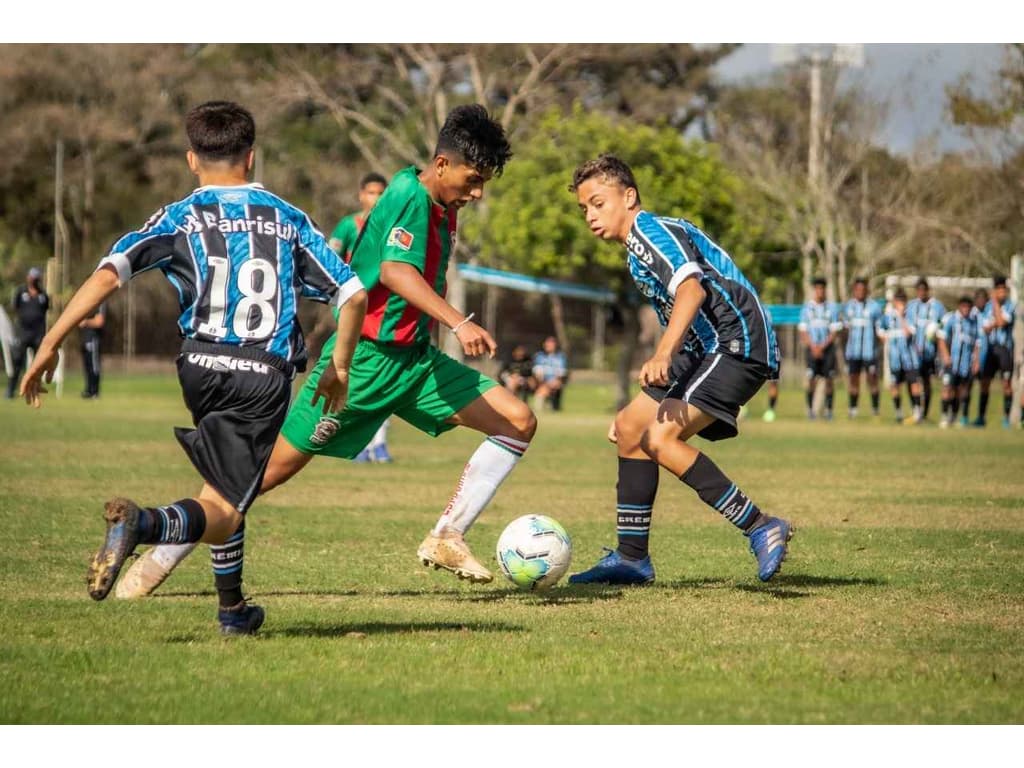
476	138
609	168
220	130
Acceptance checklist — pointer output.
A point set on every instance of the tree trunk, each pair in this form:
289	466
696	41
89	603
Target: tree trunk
558	319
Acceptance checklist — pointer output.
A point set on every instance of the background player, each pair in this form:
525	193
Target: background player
343	240
861	317
997	324
925	314
819	324
239	258
402	258
30	304
959	343
904	362
717	351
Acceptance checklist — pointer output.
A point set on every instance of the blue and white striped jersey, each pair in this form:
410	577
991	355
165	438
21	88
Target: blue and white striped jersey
962	336
861	320
903	355
1002	335
921	314
818	320
664	251
239	257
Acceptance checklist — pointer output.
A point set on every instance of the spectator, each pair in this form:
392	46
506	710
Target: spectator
91	333
517	374
31	303
551	373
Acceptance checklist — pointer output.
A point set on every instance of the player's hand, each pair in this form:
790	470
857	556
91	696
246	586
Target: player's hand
655	371
43	366
333	388
613	436
475	340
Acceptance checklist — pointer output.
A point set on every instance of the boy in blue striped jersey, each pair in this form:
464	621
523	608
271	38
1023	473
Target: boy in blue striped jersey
997	324
861	317
904	362
959	343
819	326
240	258
717	350
925	314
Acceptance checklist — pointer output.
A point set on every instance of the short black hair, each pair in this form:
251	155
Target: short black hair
900	294
475	137
965	299
860	281
998	280
609	168
819	281
921	283
981	293
372	178
220	130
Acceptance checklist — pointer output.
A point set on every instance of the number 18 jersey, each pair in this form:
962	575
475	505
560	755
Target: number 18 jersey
239	258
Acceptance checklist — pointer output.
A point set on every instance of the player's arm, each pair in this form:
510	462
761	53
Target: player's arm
689	296
940	339
97	289
804	328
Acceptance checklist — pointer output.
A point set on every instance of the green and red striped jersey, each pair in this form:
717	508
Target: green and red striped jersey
346	234
405	225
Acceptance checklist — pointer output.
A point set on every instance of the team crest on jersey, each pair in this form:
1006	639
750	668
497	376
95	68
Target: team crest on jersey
401	237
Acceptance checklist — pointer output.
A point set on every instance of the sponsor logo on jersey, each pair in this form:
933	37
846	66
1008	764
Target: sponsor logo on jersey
226	363
401	238
259	225
324	430
636	246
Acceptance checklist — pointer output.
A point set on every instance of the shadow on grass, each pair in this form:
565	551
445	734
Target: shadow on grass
780	593
810	580
357	629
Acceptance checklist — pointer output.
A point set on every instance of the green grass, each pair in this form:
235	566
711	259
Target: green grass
901	600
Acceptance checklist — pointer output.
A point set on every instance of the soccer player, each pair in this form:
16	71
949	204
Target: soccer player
31	303
959	342
401	258
91	332
343	240
997	324
819	324
904	361
239	257
925	313
980	300
717	350
861	317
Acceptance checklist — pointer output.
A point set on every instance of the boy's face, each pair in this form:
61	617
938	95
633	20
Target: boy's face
899	305
922	292
980	300
860	291
459	183
819	293
965	308
607	207
999	293
369	195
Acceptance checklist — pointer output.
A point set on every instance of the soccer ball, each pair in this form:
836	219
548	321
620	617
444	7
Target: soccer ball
931	331
534	552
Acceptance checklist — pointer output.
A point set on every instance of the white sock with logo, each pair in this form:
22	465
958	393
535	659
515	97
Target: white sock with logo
168	556
486	469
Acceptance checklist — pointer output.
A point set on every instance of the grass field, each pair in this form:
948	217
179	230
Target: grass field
901	601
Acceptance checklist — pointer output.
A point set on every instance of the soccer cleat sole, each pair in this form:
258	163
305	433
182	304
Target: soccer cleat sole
462	573
106	563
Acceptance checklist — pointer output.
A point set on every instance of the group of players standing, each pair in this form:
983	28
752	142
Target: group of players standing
921	340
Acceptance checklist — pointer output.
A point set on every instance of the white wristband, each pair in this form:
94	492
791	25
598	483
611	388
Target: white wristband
468	317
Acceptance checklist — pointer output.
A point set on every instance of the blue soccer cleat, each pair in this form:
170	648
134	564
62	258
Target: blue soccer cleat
241	619
122	516
769	544
363	457
613	568
380	454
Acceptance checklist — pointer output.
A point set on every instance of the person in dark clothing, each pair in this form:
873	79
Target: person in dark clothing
31	304
91	332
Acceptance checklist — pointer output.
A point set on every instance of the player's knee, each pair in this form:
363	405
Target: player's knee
522	419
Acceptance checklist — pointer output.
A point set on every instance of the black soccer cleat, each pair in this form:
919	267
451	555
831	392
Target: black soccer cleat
241	619
122	517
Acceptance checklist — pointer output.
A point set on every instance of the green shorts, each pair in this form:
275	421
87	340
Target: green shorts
419	384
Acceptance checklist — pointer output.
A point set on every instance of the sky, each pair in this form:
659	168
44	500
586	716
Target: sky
910	77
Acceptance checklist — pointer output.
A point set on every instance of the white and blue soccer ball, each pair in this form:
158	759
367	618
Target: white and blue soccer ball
534	552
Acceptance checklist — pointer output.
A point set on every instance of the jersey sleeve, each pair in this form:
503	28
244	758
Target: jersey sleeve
671	263
344	236
144	249
805	318
322	274
405	237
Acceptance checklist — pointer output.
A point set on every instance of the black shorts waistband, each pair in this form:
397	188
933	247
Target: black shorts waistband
246	353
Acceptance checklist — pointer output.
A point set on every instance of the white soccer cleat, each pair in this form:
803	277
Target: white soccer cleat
449	551
149	572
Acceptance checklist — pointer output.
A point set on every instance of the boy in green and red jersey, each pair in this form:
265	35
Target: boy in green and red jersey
343	240
401	258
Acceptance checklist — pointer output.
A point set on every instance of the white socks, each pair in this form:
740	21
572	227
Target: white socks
167	556
380	437
486	469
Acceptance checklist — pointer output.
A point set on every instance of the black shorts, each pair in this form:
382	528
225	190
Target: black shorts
950	379
824	366
911	376
717	384
927	368
238	397
998	363
869	367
